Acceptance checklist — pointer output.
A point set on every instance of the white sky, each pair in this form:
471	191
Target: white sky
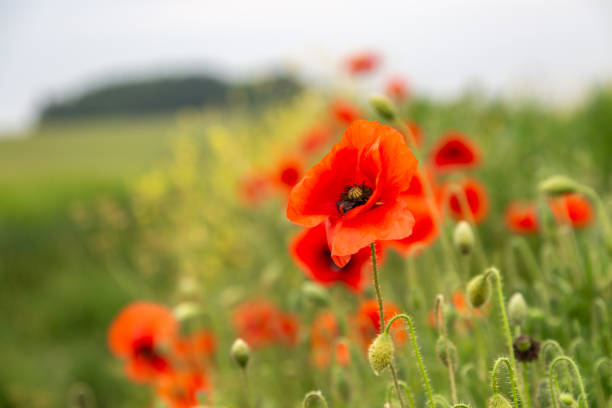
554	49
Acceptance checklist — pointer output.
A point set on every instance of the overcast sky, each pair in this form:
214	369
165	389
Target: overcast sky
553	48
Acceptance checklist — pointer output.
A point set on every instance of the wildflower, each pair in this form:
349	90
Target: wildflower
475	196
455	151
288	172
311	253
138	335
424	232
363	62
254	188
525	348
397	88
522	218
356	190
367	322
261	323
183	389
198	346
316	137
323	335
573	209
345	112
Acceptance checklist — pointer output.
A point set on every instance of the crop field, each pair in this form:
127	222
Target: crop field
242	259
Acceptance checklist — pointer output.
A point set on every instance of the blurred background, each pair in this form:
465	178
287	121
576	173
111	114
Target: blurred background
109	108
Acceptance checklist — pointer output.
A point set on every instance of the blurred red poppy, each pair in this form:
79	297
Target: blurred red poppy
199	346
311	253
362	62
261	323
454	151
288	172
475	196
254	188
345	112
522	218
367	322
573	209
315	138
138	335
356	189
417	132
397	88
183	389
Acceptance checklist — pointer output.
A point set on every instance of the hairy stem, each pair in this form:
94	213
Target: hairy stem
511	374
314	395
582	400
443	333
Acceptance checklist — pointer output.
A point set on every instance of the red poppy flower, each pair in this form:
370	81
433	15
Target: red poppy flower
315	138
138	335
288	172
367	322
397	88
362	62
254	188
522	218
474	194
261	323
198	347
182	389
323	335
424	232
455	151
573	209
311	253
356	189
345	112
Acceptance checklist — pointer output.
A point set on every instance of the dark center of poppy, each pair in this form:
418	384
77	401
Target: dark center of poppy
143	347
290	176
353	196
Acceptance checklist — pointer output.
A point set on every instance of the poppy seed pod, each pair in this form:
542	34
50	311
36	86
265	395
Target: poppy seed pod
383	106
557	185
498	401
441	345
240	352
463	237
380	353
517	310
525	348
478	291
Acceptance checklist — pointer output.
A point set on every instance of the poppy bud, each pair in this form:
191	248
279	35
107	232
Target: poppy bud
380	352
498	401
441	352
383	106
478	291
463	236
240	352
567	400
315	294
557	185
517	310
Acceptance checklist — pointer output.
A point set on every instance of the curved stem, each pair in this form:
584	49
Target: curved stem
408	392
583	398
314	395
443	333
526	393
512	376
396	383
417	353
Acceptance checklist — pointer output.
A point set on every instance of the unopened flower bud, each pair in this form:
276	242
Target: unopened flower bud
463	237
240	352
556	185
441	345
380	352
498	401
478	290
383	106
517	310
315	293
567	400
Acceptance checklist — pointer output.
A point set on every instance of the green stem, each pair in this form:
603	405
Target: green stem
408	392
526	393
396	383
377	288
417	353
247	388
449	361
583	402
314	395
512	376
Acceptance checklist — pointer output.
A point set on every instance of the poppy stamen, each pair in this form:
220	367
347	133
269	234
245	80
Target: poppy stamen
353	196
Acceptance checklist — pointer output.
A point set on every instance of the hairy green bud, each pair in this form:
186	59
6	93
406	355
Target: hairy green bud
240	352
567	400
498	401
383	106
517	310
463	237
478	291
441	352
380	353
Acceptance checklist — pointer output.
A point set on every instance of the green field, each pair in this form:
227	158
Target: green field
59	290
